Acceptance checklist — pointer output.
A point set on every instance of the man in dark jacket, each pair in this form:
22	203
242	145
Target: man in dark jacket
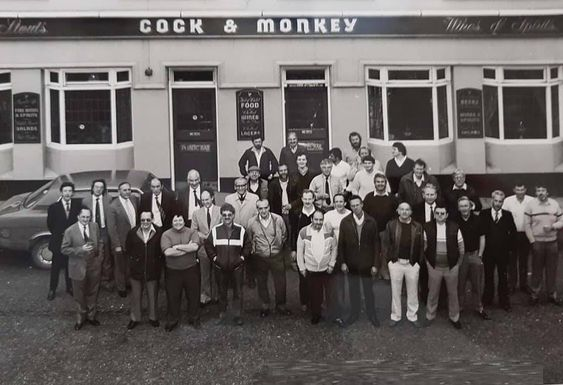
289	153
359	256
260	156
144	253
411	184
161	203
227	246
403	248
460	189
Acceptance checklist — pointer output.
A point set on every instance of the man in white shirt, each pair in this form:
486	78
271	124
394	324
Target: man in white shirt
363	182
340	169
190	200
518	266
325	186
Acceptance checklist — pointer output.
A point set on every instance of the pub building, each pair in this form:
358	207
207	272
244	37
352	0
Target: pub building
170	85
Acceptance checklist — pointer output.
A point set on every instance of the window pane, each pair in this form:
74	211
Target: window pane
5	116
54	77
193	76
305	74
306	108
441	73
55	116
409	75
443	112
5	77
375	109
87	77
410	113
555	110
123	76
524	112
523	74
490	107
88	117
553	73
373	74
488	73
123	105
194	109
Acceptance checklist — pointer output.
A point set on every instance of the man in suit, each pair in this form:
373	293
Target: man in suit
359	256
190	200
325	186
260	156
161	203
500	239
60	216
83	245
280	192
460	189
289	153
98	202
203	220
121	219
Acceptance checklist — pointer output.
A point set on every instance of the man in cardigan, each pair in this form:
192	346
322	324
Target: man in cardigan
268	235
260	156
398	166
359	256
403	247
444	251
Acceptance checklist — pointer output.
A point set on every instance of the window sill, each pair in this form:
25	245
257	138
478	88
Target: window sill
80	147
412	142
6	146
522	141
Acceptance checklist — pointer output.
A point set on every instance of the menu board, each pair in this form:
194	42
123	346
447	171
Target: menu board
27	123
469	113
250	114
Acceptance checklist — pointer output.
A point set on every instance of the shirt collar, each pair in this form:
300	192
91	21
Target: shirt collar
464	187
307	213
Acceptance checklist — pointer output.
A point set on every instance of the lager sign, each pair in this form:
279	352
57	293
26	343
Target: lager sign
250	113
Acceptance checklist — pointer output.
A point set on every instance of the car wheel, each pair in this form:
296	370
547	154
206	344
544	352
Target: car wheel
41	255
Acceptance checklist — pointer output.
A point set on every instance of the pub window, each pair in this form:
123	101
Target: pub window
521	103
409	103
89	107
5	108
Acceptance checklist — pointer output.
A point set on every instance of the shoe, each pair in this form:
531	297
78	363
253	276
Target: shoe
283	311
51	295
264	313
221	319
554	301
375	322
484	315
393	323
525	289
93	322
122	293
69	290
170	327
315	319
339	322
417	324
154	323
238	321
534	301
456	324
303	308
196	324
506	307
132	325
78	325
350	321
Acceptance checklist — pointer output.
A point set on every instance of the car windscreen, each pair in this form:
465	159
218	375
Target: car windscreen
36	196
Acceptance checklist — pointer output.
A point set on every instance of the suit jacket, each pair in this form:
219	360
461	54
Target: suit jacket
418	211
199	221
318	187
262	189
183	201
268	163
359	251
500	238
243	210
288	158
78	258
118	222
168	204
275	194
57	222
106	202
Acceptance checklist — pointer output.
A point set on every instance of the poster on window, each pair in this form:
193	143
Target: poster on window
469	113
250	113
27	126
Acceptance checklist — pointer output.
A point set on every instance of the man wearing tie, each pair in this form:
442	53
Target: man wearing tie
160	203
60	216
83	246
98	203
121	219
326	186
203	220
190	200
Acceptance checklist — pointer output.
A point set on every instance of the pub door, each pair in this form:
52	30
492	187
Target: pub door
193	105
306	104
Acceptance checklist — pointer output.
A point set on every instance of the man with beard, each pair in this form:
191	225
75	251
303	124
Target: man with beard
260	156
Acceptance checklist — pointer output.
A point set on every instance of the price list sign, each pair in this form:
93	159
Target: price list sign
469	113
27	127
250	113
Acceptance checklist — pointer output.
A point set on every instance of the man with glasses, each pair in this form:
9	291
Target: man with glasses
160	203
227	246
190	200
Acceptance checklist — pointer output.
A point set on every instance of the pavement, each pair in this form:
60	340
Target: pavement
38	344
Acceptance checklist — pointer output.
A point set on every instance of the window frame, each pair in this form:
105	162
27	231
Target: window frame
8	87
63	85
432	82
546	83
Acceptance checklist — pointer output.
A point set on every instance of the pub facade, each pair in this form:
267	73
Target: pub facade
180	85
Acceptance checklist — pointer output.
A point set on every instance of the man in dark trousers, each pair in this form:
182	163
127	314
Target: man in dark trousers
160	203
260	156
359	256
281	193
500	239
189	201
60	216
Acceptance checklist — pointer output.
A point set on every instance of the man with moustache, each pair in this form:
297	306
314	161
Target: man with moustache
261	156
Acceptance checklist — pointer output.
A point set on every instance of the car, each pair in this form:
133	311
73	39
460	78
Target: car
23	217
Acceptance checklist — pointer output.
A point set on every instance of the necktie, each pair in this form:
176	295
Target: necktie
208	219
327	191
241	198
67	209
86	239
160	210
97	216
496	217
431	212
197	201
130	212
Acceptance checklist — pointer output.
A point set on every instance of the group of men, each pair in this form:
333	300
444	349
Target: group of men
349	224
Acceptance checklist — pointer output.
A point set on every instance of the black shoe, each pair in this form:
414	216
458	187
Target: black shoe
534	301
506	307
238	321
339	322
78	325
525	289
350	321
484	315
417	324
283	311
264	313
456	324
122	293
93	322
69	290
554	301
132	325
51	295
196	324
170	327
393	323
154	323
315	319
374	321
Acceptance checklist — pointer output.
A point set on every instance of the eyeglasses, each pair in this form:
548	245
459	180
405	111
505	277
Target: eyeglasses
146	220
439	213
225	215
240	185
